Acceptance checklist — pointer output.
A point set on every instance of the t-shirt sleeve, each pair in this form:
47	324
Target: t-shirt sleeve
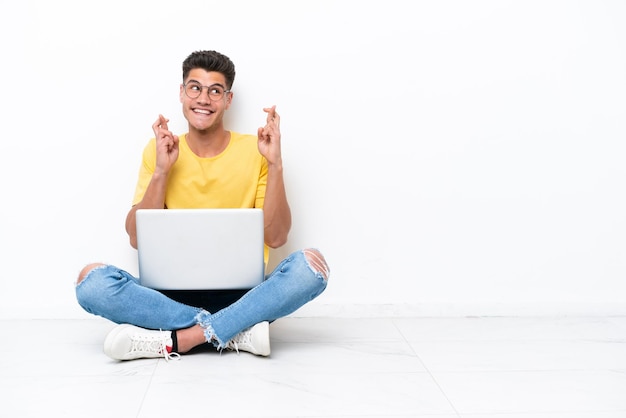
148	164
261	185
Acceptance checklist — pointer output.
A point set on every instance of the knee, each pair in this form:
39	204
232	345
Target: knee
317	261
85	271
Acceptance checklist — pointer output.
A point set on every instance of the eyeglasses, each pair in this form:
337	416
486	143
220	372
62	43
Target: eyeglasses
193	90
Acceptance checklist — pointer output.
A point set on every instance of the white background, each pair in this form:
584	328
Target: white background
449	157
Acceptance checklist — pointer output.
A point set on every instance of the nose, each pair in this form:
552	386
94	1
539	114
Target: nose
207	93
204	97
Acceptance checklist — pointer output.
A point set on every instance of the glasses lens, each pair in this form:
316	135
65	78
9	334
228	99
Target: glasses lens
193	90
216	92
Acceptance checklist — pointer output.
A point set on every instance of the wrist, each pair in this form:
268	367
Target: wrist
275	165
159	175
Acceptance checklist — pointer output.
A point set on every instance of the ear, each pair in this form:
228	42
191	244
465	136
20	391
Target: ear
229	99
181	93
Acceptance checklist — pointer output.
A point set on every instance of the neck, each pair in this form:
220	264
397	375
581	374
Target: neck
208	143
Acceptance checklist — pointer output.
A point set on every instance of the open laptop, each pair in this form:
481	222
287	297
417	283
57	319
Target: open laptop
200	249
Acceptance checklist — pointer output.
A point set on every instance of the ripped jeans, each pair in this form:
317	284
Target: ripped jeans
112	293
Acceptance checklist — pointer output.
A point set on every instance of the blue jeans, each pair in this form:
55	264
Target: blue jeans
112	293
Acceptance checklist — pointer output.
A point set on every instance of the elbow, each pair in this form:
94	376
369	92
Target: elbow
276	233
277	241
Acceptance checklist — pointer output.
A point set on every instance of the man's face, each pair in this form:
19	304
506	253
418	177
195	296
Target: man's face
200	96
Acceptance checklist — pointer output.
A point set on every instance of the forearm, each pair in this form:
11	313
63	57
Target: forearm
277	214
154	198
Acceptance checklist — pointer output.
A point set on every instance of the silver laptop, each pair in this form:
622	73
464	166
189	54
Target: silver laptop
183	249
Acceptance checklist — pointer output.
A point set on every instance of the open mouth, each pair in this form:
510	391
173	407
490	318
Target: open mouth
203	111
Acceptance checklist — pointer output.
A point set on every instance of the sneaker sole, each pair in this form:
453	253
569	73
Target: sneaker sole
108	341
263	348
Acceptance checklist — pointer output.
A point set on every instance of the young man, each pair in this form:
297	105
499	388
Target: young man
208	167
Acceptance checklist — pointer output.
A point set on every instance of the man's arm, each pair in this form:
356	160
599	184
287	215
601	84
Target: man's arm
276	211
154	197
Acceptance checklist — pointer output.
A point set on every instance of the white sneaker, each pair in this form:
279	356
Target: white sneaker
255	340
128	342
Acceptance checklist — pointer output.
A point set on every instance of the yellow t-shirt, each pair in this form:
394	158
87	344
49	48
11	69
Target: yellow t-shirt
236	178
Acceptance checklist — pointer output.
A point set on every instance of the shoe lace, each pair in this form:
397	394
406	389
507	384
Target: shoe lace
152	344
244	339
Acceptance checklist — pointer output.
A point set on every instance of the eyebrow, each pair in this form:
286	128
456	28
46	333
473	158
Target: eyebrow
191	80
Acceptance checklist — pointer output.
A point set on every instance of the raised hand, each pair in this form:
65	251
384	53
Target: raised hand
166	145
269	137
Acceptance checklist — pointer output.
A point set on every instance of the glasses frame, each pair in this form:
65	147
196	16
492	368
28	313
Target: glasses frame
202	89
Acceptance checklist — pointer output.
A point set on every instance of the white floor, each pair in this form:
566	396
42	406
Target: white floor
329	367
